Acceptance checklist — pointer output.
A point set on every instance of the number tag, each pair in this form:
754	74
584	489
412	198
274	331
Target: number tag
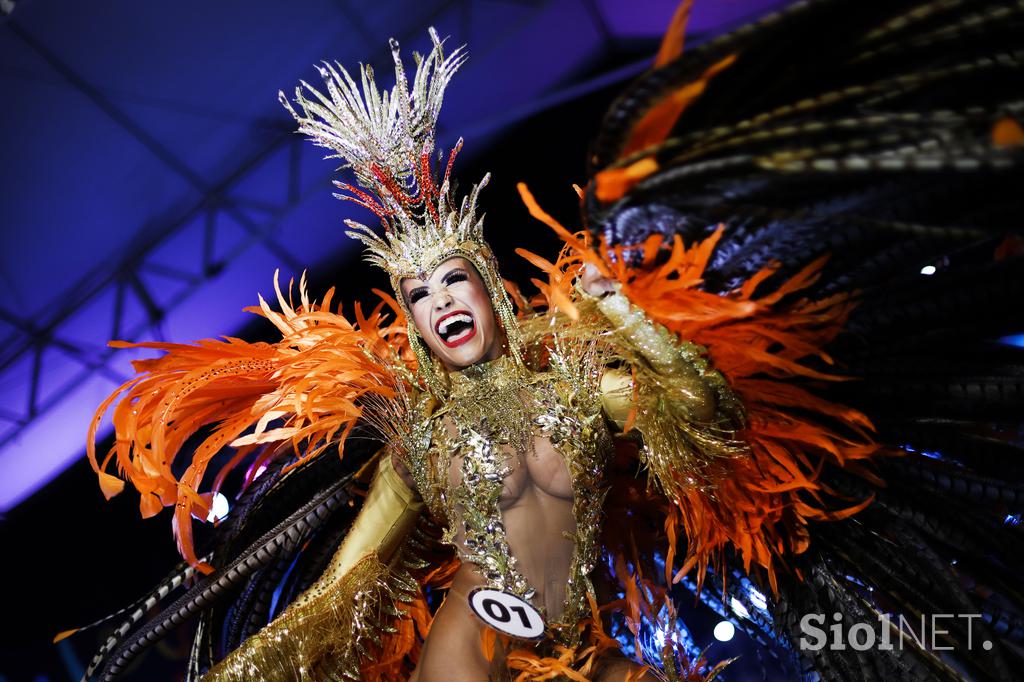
506	613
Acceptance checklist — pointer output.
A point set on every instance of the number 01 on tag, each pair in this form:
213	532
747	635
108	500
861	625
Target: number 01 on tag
506	613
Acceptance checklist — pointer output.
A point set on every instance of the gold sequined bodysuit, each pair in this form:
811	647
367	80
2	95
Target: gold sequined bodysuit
514	465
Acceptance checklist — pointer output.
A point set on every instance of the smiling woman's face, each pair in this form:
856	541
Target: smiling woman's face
453	313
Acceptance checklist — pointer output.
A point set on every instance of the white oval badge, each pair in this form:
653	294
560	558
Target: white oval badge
506	613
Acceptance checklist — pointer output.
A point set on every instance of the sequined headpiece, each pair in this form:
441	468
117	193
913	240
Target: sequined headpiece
387	139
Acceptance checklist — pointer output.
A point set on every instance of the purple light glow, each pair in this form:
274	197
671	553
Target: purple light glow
41	450
122	138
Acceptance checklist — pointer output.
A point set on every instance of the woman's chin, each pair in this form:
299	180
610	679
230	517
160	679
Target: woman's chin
464	359
469	354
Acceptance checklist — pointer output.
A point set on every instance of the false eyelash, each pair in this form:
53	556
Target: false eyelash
455	276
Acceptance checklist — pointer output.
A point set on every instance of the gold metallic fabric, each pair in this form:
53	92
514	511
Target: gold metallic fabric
685	412
324	633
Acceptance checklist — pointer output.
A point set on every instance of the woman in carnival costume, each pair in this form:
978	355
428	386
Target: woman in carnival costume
672	413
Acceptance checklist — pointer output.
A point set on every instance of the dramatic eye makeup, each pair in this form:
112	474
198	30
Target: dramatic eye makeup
451	277
454	276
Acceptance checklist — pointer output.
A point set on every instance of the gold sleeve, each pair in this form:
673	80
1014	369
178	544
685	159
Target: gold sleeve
617	396
389	512
671	361
684	411
322	634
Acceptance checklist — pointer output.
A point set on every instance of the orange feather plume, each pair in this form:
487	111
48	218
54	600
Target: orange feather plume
305	390
762	344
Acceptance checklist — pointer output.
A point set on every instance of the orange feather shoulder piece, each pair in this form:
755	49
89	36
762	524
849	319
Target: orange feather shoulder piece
770	348
308	389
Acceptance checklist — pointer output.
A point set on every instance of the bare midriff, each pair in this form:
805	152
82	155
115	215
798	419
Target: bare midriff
536	507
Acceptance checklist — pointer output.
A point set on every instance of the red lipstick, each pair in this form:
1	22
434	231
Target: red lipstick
462	339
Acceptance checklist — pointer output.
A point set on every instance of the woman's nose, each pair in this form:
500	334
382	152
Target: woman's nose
442	300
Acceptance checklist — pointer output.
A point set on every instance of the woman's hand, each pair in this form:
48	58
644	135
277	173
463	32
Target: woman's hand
594	283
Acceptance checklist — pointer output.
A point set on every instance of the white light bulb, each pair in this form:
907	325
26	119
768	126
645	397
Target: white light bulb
724	631
219	508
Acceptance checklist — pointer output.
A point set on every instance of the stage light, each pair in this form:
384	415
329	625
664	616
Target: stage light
219	508
1013	340
724	631
738	608
928	270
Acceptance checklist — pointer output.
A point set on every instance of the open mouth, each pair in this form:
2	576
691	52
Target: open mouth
455	328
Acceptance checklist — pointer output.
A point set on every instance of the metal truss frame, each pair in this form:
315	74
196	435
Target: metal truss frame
35	338
126	278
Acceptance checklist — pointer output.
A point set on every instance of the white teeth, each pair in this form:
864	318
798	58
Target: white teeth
460	317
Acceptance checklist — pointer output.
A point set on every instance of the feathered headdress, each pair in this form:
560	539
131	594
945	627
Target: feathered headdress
387	138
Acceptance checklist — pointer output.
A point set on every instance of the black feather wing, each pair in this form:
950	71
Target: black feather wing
889	136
